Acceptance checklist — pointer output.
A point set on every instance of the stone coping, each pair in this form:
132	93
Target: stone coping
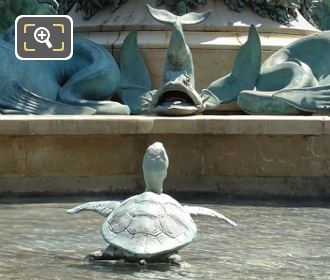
196	40
203	124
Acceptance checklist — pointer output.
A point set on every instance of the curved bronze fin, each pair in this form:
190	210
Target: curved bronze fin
168	18
248	60
309	99
18	98
135	77
245	73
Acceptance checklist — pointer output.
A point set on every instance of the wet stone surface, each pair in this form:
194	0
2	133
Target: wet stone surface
41	241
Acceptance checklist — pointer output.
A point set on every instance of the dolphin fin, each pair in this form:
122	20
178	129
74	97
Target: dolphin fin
209	100
135	78
104	208
245	72
15	96
248	60
148	102
257	102
309	99
166	17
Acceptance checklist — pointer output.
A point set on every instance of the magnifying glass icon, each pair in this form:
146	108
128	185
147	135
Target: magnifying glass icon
42	35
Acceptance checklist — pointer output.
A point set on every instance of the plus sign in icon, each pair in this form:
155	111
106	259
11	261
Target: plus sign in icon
44	37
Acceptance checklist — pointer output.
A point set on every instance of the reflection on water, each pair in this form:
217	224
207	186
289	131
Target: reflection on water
41	241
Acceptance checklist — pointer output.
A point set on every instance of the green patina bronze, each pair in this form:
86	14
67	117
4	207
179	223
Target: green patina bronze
177	95
294	80
86	83
282	11
82	85
135	77
10	9
150	227
245	72
180	7
321	14
89	7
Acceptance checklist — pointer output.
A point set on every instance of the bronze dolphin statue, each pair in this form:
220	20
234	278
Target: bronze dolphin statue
177	96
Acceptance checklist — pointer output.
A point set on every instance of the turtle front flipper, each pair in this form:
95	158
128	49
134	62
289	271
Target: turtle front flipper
175	259
196	210
102	207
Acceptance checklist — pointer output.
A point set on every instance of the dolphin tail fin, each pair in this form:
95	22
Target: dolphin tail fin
15	96
166	17
135	80
248	60
309	99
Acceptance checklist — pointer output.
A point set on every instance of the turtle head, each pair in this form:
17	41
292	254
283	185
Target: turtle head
155	164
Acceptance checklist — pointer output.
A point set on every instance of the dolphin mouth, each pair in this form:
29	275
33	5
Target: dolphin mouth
177	100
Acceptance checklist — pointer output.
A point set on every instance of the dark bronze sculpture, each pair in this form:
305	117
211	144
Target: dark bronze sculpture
10	9
281	11
177	95
321	14
82	85
294	80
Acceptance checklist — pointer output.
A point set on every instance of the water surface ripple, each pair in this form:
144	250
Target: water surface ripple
41	241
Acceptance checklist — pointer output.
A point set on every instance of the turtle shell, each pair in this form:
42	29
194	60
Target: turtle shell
149	224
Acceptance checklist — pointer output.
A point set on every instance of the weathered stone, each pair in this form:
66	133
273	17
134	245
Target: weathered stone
12	156
211	154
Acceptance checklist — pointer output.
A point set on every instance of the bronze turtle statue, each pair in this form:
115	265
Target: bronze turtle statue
149	227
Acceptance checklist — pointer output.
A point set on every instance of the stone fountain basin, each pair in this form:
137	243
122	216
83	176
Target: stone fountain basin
272	241
236	156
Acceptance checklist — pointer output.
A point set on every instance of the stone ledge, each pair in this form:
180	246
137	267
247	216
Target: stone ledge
211	186
196	39
122	125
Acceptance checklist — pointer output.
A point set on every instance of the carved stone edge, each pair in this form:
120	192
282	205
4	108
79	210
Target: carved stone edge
121	125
